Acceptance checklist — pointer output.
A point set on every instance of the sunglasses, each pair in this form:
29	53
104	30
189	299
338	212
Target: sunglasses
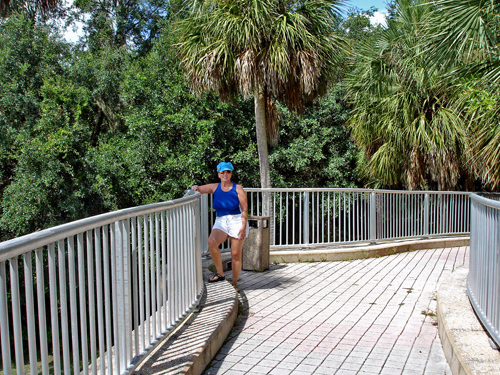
224	172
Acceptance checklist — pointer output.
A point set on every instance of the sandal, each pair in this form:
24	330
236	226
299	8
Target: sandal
216	277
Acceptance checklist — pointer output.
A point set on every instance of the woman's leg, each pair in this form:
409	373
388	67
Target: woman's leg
214	240
236	254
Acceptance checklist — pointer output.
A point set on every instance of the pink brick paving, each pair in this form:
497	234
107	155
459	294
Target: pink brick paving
371	316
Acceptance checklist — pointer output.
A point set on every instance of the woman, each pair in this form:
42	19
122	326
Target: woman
230	204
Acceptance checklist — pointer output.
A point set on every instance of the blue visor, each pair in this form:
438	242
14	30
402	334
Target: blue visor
223	166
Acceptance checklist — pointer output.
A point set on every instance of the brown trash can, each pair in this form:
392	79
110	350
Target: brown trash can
255	255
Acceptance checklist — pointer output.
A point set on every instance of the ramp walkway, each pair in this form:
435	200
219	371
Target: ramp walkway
403	313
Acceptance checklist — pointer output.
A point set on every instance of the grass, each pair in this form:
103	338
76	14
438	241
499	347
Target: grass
432	315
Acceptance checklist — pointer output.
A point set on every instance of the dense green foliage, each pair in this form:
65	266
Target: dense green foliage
315	149
110	121
424	93
466	38
99	126
402	113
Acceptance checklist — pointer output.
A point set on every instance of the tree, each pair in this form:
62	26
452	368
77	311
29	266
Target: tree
315	149
403	117
132	24
103	125
180	138
51	182
28	54
101	73
271	50
465	38
45	6
357	26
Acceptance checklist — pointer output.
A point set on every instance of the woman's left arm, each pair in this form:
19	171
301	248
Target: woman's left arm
242	197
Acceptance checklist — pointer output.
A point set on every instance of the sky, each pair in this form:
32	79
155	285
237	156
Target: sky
379	16
366	4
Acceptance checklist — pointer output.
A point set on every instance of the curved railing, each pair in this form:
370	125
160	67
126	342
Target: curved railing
483	281
96	295
319	216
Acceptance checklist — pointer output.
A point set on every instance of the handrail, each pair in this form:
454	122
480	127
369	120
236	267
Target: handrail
487	199
305	217
483	280
19	245
411	192
102	291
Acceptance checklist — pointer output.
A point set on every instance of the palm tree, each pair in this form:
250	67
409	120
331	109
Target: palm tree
465	37
402	118
266	49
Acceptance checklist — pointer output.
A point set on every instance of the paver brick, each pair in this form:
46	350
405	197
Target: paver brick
363	315
280	371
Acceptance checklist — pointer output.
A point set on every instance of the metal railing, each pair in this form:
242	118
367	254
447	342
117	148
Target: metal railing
483	280
94	296
311	217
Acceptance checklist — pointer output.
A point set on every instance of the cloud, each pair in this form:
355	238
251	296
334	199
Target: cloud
378	18
73	32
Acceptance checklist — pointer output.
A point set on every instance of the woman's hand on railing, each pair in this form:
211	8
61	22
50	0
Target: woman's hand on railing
188	192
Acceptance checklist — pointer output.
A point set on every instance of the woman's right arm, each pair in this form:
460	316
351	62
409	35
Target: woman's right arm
204	189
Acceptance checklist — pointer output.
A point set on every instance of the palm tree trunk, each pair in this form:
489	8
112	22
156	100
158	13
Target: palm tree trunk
260	127
265	175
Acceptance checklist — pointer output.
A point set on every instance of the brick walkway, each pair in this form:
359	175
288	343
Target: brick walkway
371	316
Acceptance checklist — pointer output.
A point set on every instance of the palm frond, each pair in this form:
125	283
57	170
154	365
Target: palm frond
462	31
288	48
403	116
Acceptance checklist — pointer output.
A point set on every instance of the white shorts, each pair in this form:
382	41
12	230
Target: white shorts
230	224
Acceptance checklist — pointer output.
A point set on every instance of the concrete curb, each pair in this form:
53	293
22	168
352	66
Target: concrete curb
225	322
195	344
464	340
363	251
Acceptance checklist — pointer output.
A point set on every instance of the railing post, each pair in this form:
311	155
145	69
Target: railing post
426	215
200	220
305	218
373	216
4	325
204	223
123	334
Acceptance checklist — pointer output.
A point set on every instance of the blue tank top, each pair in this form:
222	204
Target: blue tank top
226	202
